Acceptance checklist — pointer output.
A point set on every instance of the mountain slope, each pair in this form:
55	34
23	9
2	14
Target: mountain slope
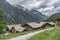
38	14
14	15
54	17
34	13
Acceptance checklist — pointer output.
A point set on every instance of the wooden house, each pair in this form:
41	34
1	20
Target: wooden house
34	26
15	28
28	27
31	26
18	28
48	25
58	22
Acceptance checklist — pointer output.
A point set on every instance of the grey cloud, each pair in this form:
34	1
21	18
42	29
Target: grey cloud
38	5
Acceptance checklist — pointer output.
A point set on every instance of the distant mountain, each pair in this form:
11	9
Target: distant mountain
39	15
33	12
54	17
19	15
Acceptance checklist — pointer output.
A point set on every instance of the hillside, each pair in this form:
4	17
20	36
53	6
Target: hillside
54	17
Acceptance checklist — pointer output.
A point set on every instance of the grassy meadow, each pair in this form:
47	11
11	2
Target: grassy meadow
47	35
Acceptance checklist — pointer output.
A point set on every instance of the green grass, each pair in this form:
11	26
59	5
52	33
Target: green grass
2	37
48	35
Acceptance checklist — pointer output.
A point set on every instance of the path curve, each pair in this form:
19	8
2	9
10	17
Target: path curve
27	36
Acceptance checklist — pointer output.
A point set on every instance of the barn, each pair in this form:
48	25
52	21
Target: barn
47	24
35	26
14	28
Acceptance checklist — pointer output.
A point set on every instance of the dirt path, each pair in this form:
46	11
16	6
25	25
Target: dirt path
27	36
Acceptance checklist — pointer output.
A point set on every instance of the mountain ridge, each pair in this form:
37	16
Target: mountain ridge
14	15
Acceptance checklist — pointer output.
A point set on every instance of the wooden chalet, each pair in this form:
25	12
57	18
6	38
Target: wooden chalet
48	25
27	27
14	28
33	26
58	22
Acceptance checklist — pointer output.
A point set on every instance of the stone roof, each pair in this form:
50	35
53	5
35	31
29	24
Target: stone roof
36	25
51	23
18	27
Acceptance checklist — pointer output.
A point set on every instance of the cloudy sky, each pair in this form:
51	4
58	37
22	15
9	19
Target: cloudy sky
47	7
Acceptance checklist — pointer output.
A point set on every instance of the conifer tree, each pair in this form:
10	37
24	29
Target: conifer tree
2	22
